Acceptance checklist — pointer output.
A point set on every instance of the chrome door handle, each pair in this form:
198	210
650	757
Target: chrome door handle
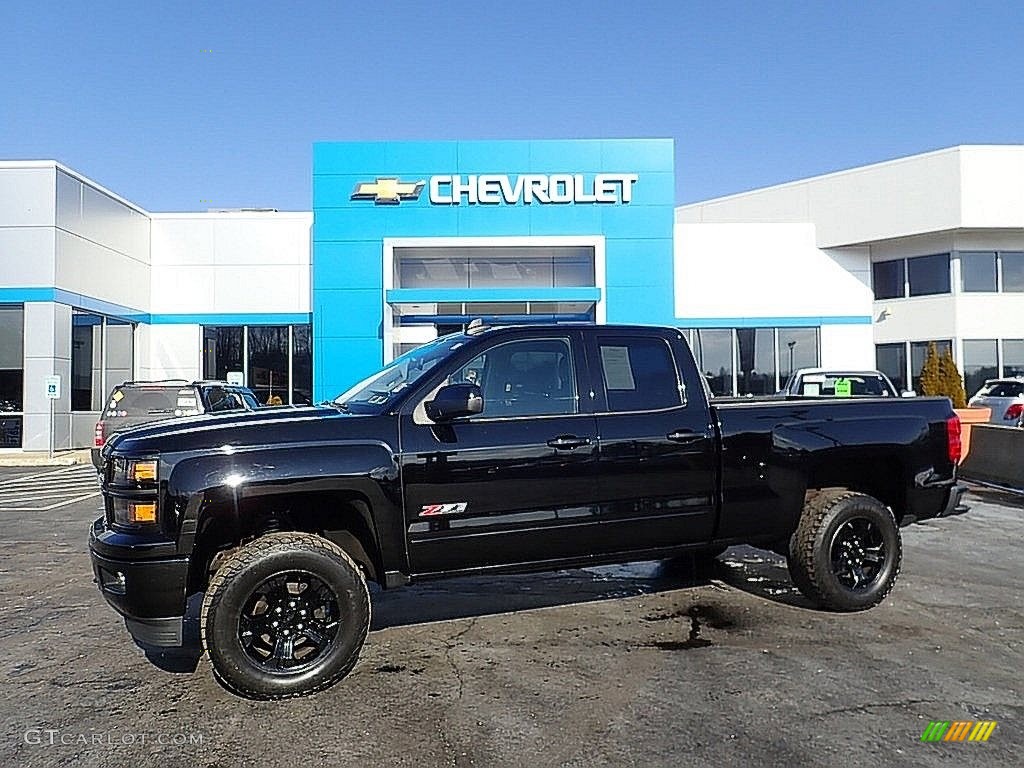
684	436
568	442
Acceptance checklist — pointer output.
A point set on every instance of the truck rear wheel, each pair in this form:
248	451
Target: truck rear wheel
846	552
285	616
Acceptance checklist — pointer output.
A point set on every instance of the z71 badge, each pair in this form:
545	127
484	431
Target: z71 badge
444	509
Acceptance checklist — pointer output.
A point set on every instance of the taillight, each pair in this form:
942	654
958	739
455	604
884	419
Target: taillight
98	437
953	438
1014	411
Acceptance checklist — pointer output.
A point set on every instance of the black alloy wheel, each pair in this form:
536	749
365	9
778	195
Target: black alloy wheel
289	622
858	553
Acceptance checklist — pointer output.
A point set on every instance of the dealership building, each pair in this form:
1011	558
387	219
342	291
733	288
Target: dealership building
409	240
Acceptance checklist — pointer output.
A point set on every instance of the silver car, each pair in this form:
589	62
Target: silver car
1006	399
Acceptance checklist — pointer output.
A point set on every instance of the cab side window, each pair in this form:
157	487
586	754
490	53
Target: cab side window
221	400
639	373
531	377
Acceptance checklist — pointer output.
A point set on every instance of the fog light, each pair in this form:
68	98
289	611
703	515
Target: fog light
141	513
113	582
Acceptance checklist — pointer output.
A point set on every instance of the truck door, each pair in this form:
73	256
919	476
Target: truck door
658	459
515	483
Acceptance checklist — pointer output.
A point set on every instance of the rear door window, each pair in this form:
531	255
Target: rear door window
638	373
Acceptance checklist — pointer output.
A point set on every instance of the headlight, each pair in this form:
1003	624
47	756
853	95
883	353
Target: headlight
128	512
134	472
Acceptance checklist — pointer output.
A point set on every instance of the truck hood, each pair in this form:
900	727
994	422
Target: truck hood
238	429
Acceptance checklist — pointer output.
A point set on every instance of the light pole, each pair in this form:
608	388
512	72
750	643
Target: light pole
790	344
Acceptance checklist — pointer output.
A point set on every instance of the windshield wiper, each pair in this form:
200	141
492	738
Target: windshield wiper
343	407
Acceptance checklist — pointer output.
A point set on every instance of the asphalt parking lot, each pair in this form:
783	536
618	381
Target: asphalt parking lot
646	664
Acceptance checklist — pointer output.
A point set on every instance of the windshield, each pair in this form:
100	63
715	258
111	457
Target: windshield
374	392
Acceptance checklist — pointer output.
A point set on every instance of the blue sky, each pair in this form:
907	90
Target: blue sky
753	93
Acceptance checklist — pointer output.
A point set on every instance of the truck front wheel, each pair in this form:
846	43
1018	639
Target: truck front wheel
285	616
845	554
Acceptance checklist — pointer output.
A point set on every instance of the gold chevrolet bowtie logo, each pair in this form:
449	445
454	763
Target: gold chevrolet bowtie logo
388	190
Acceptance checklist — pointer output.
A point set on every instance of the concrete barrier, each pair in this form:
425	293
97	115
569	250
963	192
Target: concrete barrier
997	456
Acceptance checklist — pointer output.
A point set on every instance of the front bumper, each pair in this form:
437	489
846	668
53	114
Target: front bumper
149	593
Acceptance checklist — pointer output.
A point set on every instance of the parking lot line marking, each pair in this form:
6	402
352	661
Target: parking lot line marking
52	506
64	481
5	483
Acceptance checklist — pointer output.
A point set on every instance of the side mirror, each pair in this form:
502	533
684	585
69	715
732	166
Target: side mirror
454	401
908	393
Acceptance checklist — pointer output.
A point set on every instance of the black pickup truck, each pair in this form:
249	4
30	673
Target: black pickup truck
514	449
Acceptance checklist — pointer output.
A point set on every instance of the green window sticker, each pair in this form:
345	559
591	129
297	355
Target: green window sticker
844	388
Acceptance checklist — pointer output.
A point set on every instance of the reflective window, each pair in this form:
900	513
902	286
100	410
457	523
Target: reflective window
918	352
980	363
639	373
494	267
1013	271
268	363
887	279
891	359
978	271
1013	357
757	361
928	275
532	377
223	352
302	365
798	348
713	351
12	375
260	357
86	361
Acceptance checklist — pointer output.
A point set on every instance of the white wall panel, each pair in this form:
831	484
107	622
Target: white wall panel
26	256
847	346
765	270
992	186
85	267
26	195
917	319
175	352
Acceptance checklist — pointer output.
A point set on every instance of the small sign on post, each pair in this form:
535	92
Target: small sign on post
51	385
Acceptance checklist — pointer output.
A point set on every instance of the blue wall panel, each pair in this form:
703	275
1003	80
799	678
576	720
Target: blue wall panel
348	233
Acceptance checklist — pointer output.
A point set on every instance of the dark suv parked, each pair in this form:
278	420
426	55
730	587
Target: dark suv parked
140	402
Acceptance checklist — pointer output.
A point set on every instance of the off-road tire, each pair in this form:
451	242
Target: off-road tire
810	557
234	583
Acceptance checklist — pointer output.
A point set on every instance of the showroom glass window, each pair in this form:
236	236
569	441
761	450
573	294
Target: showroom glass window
12	374
756	375
978	271
981	362
1013	357
86	361
274	361
102	356
1013	271
891	359
918	352
798	348
887	278
928	275
714	354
